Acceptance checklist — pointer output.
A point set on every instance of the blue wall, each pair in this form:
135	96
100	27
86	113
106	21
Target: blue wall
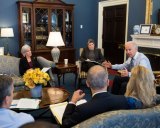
8	18
136	15
156	7
85	13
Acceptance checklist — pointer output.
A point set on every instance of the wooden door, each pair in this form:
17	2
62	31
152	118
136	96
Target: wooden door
113	39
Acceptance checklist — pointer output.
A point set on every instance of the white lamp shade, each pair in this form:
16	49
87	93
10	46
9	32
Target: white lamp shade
7	32
55	39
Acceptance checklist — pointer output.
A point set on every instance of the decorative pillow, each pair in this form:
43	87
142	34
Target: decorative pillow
9	65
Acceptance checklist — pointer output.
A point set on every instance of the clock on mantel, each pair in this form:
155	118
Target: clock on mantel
156	30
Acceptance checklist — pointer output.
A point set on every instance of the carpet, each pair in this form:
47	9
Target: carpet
69	83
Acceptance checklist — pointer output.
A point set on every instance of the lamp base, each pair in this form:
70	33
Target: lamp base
55	52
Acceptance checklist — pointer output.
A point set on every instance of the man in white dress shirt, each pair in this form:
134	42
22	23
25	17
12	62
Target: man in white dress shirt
134	58
9	118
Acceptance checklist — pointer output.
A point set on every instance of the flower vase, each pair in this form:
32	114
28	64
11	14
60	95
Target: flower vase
36	92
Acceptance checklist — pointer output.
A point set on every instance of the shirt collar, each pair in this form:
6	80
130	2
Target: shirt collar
136	55
98	93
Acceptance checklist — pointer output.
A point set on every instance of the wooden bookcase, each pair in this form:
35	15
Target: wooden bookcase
38	18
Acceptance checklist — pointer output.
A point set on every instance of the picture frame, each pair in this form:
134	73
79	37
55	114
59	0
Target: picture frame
25	18
1	50
145	28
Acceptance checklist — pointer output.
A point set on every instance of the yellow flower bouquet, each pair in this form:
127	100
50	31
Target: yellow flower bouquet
33	77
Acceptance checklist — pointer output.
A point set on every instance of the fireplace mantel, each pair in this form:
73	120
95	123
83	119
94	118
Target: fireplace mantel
147	41
149	45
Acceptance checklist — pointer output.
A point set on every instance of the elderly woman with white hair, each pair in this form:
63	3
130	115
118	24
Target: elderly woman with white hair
27	62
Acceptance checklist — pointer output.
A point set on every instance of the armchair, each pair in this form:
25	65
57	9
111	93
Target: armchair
82	74
46	63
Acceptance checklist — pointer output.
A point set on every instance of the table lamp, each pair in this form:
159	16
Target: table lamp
7	32
55	40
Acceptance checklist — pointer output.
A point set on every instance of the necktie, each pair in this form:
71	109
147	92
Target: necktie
131	64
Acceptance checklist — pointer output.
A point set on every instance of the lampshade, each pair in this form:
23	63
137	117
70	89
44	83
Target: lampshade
7	32
54	40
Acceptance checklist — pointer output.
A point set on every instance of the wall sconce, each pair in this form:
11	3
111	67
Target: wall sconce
7	32
55	40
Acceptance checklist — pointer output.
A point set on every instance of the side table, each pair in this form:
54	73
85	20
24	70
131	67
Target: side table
62	69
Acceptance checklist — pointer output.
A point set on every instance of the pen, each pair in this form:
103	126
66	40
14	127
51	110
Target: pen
13	104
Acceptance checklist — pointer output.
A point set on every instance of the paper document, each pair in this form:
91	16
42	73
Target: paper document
25	103
45	69
14	103
58	109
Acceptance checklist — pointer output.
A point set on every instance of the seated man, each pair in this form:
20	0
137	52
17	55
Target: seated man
102	101
134	58
90	53
9	118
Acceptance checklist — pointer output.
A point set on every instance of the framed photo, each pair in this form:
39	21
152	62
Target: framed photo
1	50
145	28
25	18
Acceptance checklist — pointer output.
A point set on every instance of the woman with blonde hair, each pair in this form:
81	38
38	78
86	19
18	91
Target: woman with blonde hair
141	90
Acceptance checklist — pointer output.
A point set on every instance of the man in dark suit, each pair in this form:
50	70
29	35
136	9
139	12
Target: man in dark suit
102	101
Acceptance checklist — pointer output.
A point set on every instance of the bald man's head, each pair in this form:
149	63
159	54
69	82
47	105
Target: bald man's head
97	77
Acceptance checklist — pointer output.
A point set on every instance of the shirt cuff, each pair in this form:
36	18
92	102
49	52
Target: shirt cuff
71	103
129	74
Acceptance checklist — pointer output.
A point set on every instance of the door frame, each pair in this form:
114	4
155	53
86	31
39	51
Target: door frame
109	3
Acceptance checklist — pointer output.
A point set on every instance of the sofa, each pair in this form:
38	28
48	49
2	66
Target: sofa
10	65
140	118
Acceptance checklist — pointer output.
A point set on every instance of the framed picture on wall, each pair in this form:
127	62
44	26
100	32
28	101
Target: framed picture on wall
145	28
1	50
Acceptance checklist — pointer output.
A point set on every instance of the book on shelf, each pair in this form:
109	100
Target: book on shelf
58	109
25	103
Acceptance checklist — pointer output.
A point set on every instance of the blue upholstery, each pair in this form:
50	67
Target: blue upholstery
10	65
140	118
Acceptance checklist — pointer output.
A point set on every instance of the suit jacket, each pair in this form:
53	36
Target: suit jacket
100	103
98	55
24	65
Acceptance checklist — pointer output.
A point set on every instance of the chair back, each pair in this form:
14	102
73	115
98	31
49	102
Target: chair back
82	74
81	49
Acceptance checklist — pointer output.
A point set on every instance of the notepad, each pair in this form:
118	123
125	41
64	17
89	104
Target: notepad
58	109
91	61
25	103
45	69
